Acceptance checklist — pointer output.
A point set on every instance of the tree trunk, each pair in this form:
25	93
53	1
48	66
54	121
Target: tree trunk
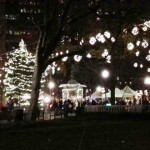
33	108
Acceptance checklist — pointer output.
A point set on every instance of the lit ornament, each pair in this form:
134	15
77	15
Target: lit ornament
108	59
148	57
147	23
61	53
92	40
81	42
138	43
107	34
98	36
58	68
137	53
148	69
113	39
102	39
88	55
64	59
135	65
105	53
141	65
144	28
135	31
77	58
130	46
56	54
144	44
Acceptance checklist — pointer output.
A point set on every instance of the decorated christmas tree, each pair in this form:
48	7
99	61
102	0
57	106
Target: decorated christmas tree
19	75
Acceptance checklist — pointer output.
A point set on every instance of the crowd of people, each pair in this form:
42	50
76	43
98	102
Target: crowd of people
141	100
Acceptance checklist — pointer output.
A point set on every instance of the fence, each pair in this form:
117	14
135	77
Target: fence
117	108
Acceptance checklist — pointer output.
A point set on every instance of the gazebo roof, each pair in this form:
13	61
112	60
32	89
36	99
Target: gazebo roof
72	81
72	84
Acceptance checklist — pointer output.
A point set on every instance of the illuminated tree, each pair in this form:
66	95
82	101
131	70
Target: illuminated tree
19	74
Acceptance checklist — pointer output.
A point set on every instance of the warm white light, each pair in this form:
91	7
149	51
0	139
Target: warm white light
141	65
135	65
47	99
64	58
98	88
92	40
77	58
130	46
138	43
51	85
108	59
105	74
113	39
107	34
144	28
148	69
145	44
137	53
105	53
81	42
147	80
88	55
148	57
147	23
135	31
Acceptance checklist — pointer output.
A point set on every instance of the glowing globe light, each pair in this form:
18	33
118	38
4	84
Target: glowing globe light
107	34
148	57
98	88
135	65
135	31
92	40
47	99
144	44
147	80
88	55
137	53
58	69
64	59
113	39
51	85
130	46
77	58
105	73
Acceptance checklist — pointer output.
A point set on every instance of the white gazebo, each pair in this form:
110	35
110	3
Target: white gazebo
72	90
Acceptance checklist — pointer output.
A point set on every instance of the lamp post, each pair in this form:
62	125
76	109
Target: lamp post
51	86
147	82
105	75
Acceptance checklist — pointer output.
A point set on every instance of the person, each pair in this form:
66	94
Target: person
1	105
10	104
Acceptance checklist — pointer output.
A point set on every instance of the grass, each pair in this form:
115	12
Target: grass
89	132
